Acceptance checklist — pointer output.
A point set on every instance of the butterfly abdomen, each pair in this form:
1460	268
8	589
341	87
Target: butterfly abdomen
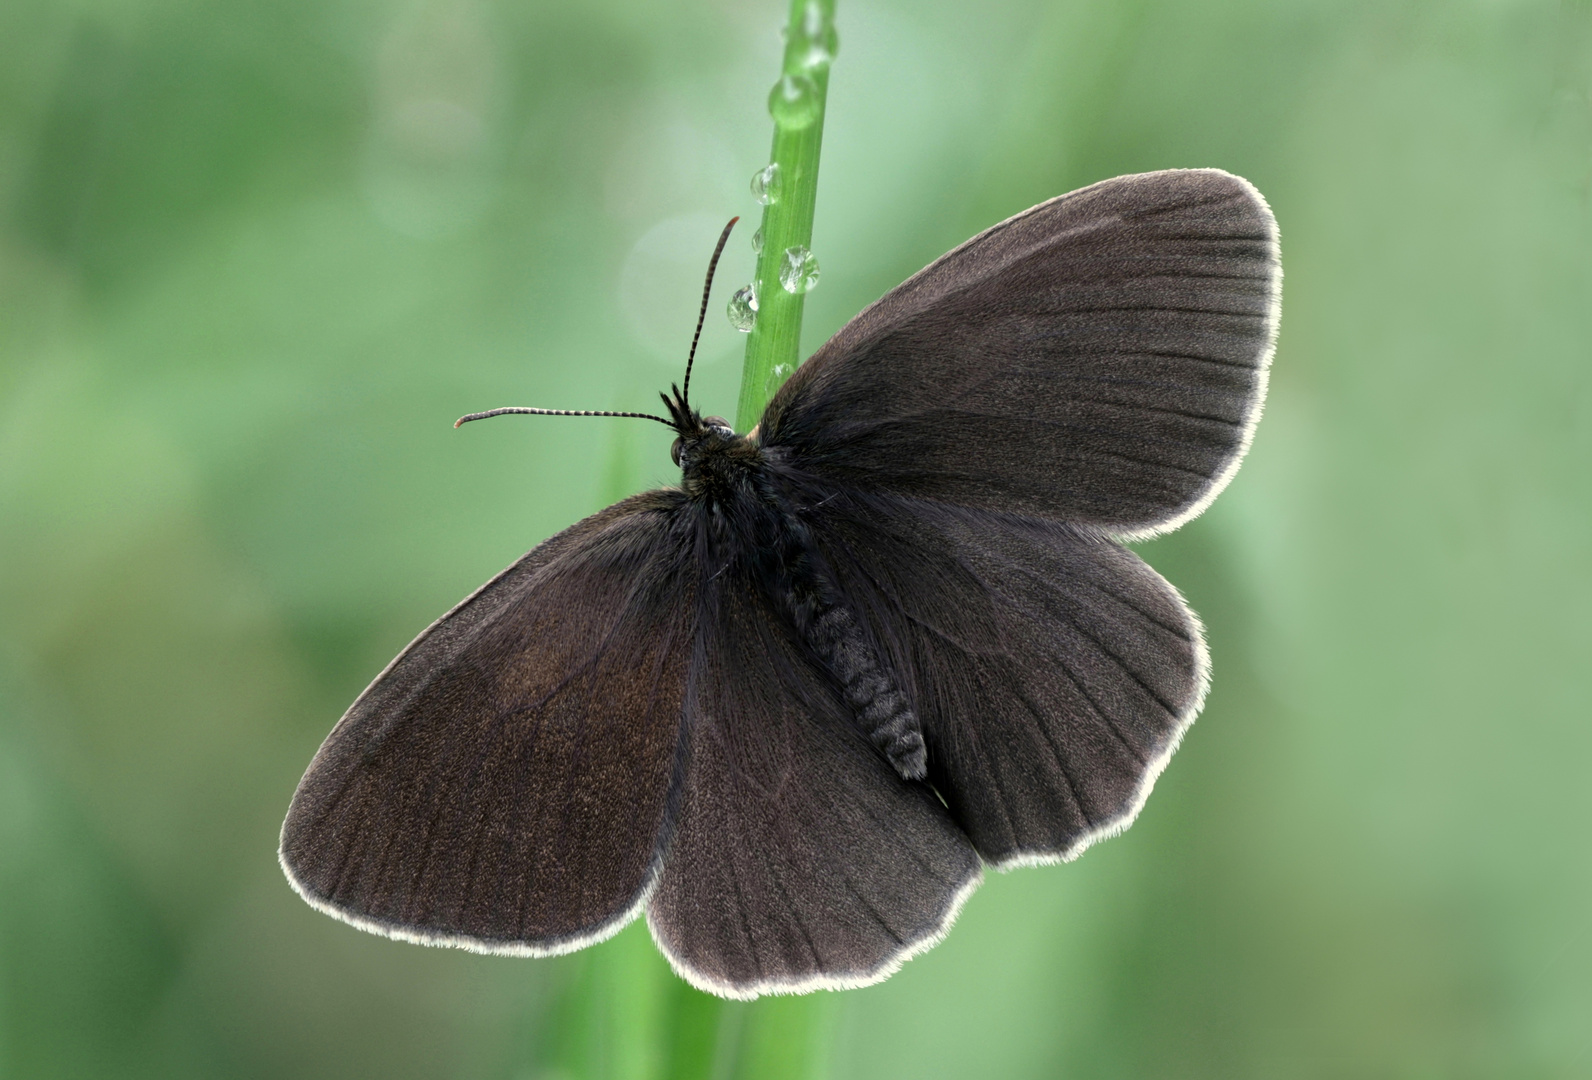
880	706
792	572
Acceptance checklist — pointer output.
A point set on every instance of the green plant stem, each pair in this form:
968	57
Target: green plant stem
785	1038
773	349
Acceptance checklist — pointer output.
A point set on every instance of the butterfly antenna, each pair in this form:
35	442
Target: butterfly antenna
683	396
560	412
702	315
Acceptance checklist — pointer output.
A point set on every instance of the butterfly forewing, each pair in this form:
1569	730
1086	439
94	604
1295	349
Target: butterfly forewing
1099	359
801	859
505	784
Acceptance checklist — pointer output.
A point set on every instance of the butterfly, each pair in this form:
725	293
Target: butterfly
793	707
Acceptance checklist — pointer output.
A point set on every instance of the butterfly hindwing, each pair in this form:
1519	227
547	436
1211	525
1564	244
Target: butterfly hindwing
800	859
1099	359
1053	671
505	784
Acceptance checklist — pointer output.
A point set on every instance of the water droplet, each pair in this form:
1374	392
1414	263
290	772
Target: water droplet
757	242
799	272
781	370
793	103
814	21
765	184
743	309
815	43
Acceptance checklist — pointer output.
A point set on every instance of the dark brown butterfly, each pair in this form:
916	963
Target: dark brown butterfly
791	708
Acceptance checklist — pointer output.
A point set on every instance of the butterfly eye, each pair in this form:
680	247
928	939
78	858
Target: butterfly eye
674	451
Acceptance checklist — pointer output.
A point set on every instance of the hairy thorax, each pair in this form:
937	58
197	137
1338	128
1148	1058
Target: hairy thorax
718	467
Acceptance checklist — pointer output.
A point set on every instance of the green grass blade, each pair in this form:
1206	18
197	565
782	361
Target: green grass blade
773	349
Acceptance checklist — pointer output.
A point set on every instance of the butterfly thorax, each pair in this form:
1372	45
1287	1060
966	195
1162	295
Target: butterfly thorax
717	465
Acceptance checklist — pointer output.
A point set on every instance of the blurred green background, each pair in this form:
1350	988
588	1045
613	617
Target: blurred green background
256	255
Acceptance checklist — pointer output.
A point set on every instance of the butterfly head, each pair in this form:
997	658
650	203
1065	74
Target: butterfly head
697	436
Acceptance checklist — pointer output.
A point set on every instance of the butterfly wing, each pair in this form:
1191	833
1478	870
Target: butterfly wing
800	859
1052	670
1099	359
505	784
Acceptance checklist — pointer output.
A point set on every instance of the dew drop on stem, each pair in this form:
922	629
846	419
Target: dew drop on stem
814	43
742	309
765	184
793	103
798	271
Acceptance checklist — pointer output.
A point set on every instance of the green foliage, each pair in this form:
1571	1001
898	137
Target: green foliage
255	257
